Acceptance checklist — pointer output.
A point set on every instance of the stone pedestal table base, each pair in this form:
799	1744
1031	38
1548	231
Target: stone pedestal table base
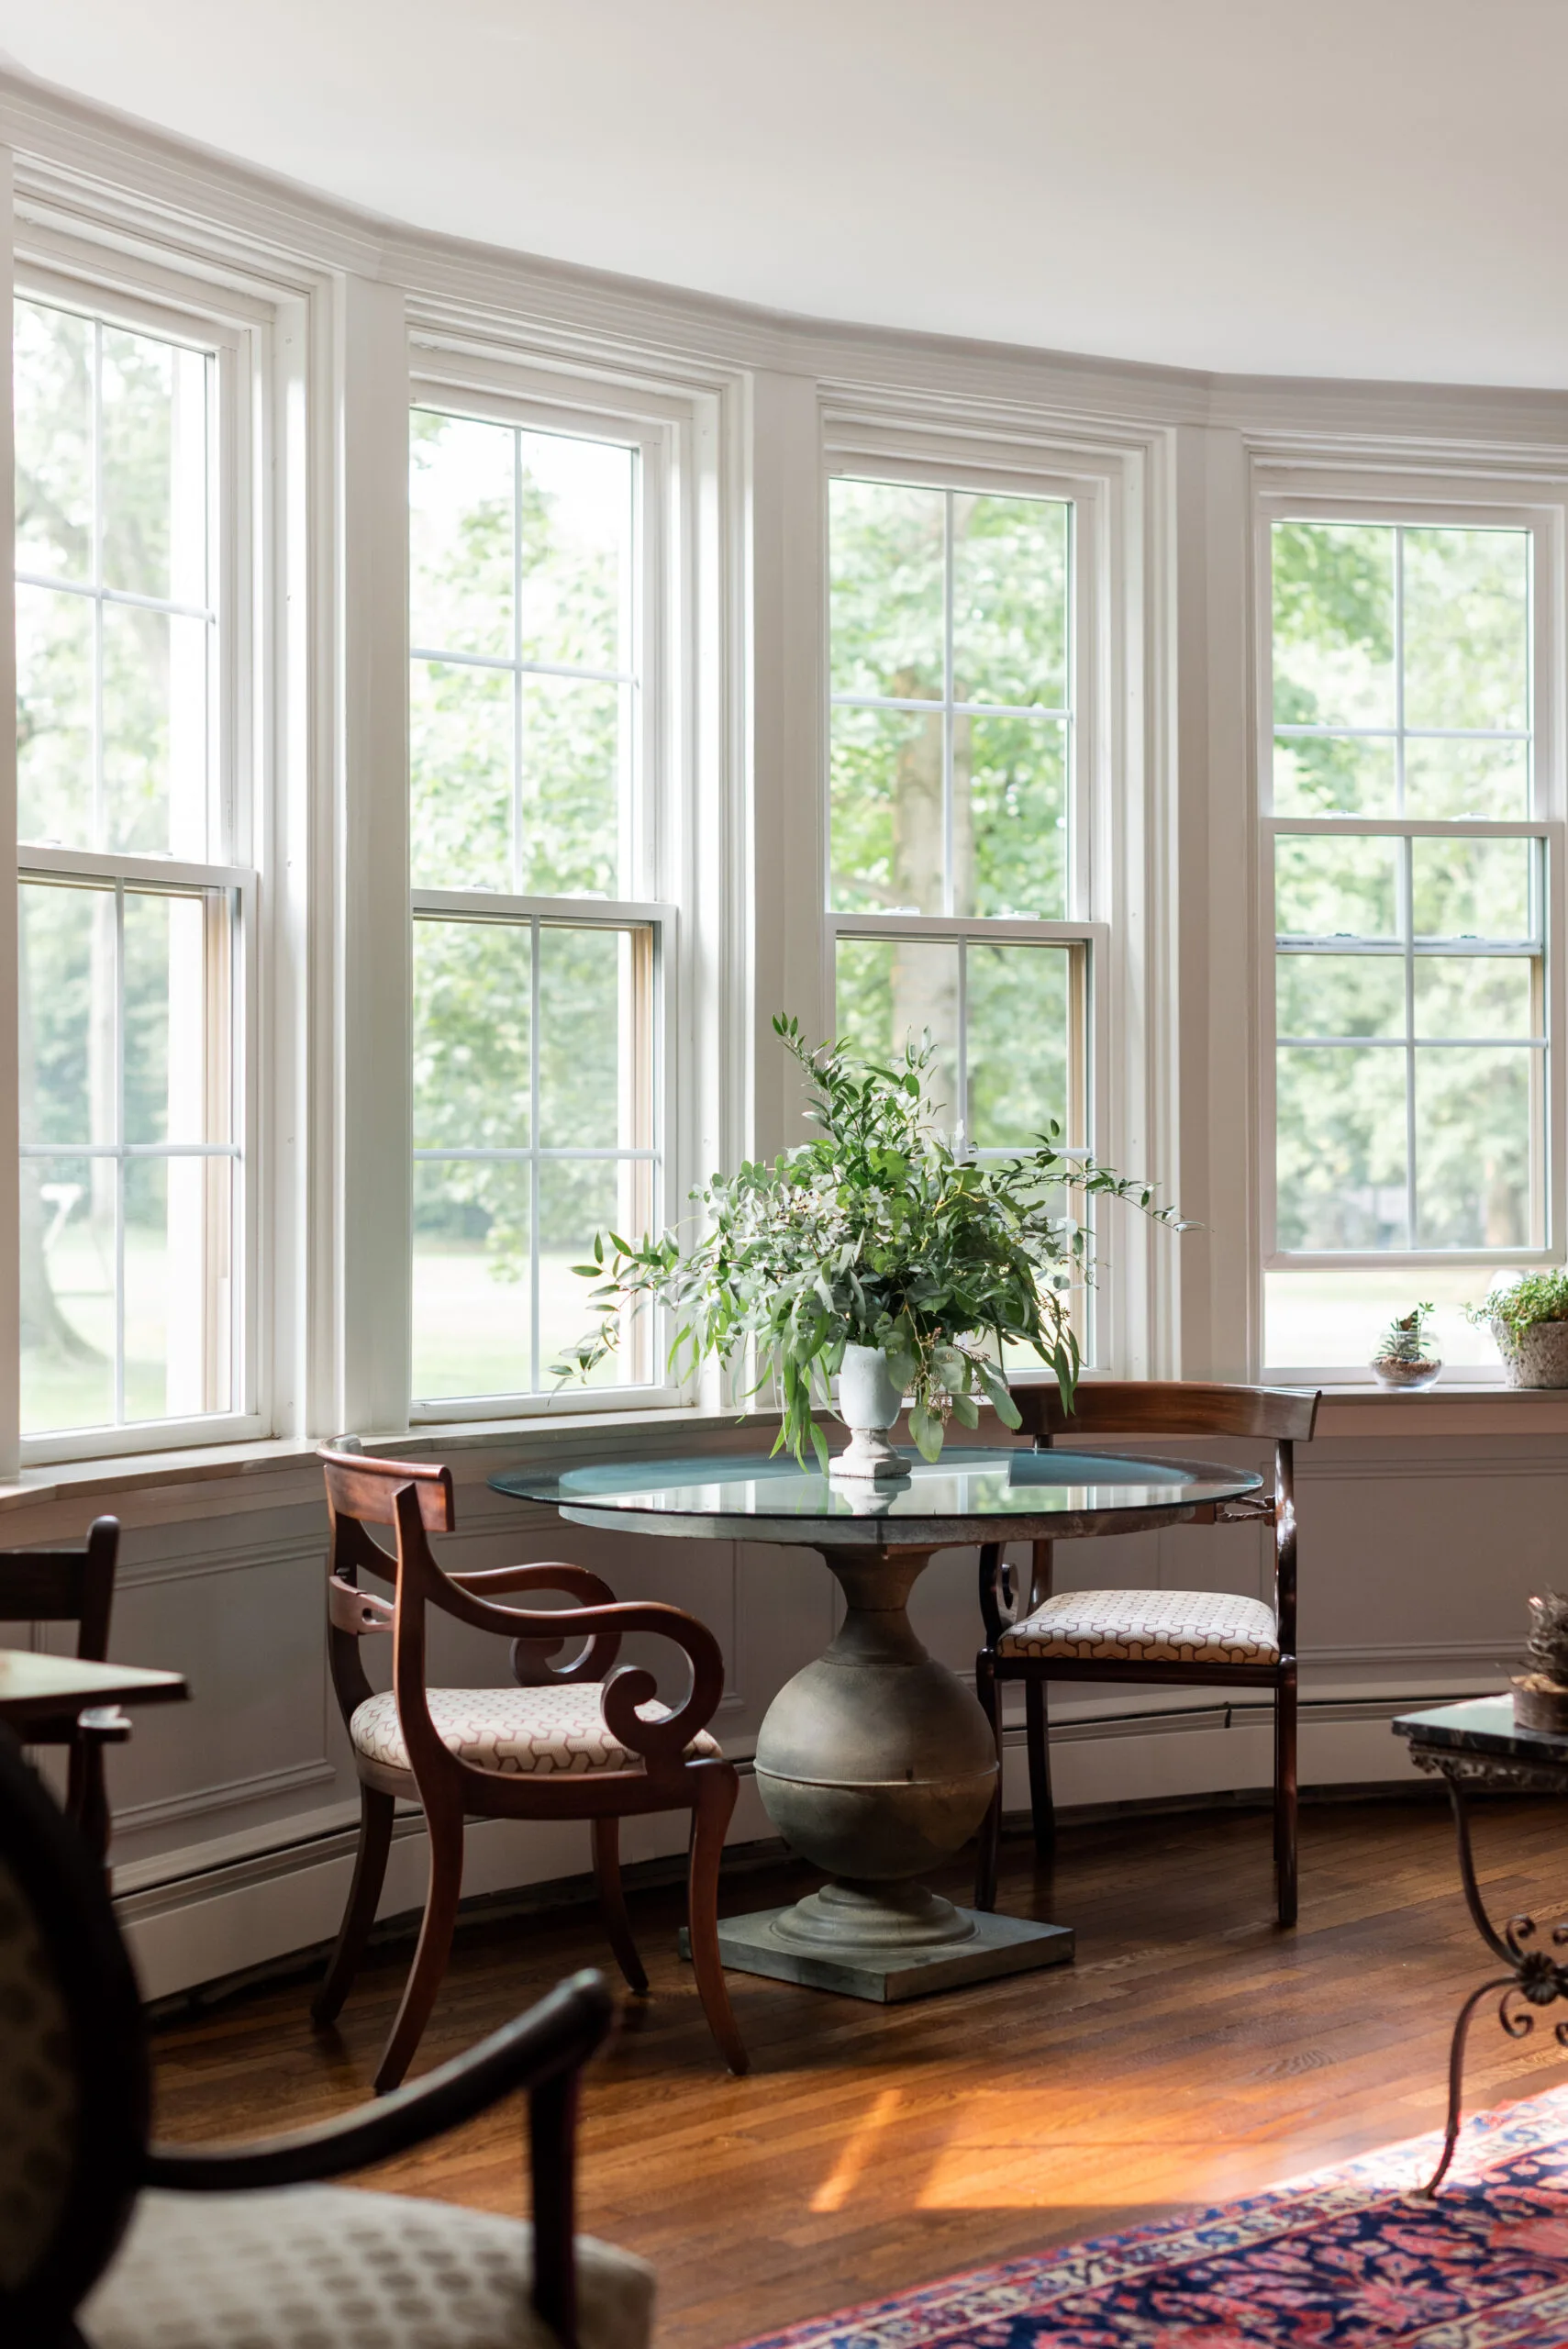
876	1764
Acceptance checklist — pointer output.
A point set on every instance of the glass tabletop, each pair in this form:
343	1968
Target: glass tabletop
963	1489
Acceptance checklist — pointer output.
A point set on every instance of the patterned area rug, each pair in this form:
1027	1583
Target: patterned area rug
1350	2258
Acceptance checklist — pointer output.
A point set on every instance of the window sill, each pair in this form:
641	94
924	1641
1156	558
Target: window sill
226	1478
1443	1411
279	1461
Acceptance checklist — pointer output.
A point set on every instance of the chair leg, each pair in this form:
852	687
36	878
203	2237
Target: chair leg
86	1798
1286	1801
612	1902
1037	1731
370	1871
435	1946
716	1795
990	1695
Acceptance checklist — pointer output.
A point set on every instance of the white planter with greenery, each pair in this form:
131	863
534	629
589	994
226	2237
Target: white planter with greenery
879	1237
870	1399
1529	1321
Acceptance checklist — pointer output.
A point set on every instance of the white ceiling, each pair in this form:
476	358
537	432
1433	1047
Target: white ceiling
1332	187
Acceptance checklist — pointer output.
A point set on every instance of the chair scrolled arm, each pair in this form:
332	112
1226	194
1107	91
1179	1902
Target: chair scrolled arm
531	1667
558	2035
665	1737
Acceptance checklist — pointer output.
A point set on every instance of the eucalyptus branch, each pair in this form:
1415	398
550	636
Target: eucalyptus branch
876	1232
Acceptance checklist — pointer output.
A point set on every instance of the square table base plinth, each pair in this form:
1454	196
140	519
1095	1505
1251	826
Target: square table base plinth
1000	1945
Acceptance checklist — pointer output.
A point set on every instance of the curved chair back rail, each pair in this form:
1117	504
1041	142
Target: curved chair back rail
75	2154
631	1753
74	1585
1158	1410
1167	1406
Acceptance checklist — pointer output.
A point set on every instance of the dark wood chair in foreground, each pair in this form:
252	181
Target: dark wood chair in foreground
587	1740
151	2245
1209	1639
74	1585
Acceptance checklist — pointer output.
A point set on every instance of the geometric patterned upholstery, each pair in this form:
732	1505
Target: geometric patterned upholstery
516	1731
1166	1626
329	2267
37	2092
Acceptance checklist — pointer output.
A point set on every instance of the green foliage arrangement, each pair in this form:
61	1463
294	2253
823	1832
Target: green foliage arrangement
1409	1337
875	1234
1538	1297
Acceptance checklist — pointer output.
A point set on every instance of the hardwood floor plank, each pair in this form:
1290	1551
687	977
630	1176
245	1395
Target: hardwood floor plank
1193	2053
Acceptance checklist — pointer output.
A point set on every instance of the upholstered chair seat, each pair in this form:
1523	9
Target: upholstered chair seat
1165	1626
514	1731
341	2269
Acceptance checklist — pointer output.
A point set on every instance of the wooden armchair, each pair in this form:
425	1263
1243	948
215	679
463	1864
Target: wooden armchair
155	2244
584	1741
76	1586
1188	1637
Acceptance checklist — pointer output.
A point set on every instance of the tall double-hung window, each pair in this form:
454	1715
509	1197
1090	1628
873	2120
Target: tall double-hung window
136	907
1410	1087
955	869
538	955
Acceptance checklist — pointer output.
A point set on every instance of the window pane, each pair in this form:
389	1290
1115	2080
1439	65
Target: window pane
576	503
591	1019
155	731
154	468
176	1284
1333	624
891	991
473	1028
460	756
1336	774
54	718
1316	1319
887	553
1009	816
1010	600
1446	780
176	1060
1472	888
473	1296
112	472
1336	888
575	758
1472	1149
889	832
66	1030
460	549
1459	995
53	365
67	1293
1341	1148
578	1198
1466	627
1340	994
1018	1001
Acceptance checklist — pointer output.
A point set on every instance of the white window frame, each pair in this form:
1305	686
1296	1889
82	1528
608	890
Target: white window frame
1007	471
140	300
1425	500
656	843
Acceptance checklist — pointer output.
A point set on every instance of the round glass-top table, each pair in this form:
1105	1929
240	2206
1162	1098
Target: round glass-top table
875	1762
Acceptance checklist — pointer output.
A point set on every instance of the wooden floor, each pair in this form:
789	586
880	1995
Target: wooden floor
1194	2051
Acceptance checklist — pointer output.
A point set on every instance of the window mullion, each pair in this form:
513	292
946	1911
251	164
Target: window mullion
534	1139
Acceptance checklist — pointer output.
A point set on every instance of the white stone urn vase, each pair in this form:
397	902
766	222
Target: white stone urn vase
1537	1356
869	1404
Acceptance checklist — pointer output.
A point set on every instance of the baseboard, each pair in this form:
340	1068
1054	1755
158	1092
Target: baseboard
226	1922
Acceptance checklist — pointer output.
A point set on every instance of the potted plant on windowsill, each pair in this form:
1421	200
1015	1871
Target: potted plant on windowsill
1529	1321
877	1252
1406	1352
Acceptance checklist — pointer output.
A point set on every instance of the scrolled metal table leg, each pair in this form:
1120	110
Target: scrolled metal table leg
1533	1974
